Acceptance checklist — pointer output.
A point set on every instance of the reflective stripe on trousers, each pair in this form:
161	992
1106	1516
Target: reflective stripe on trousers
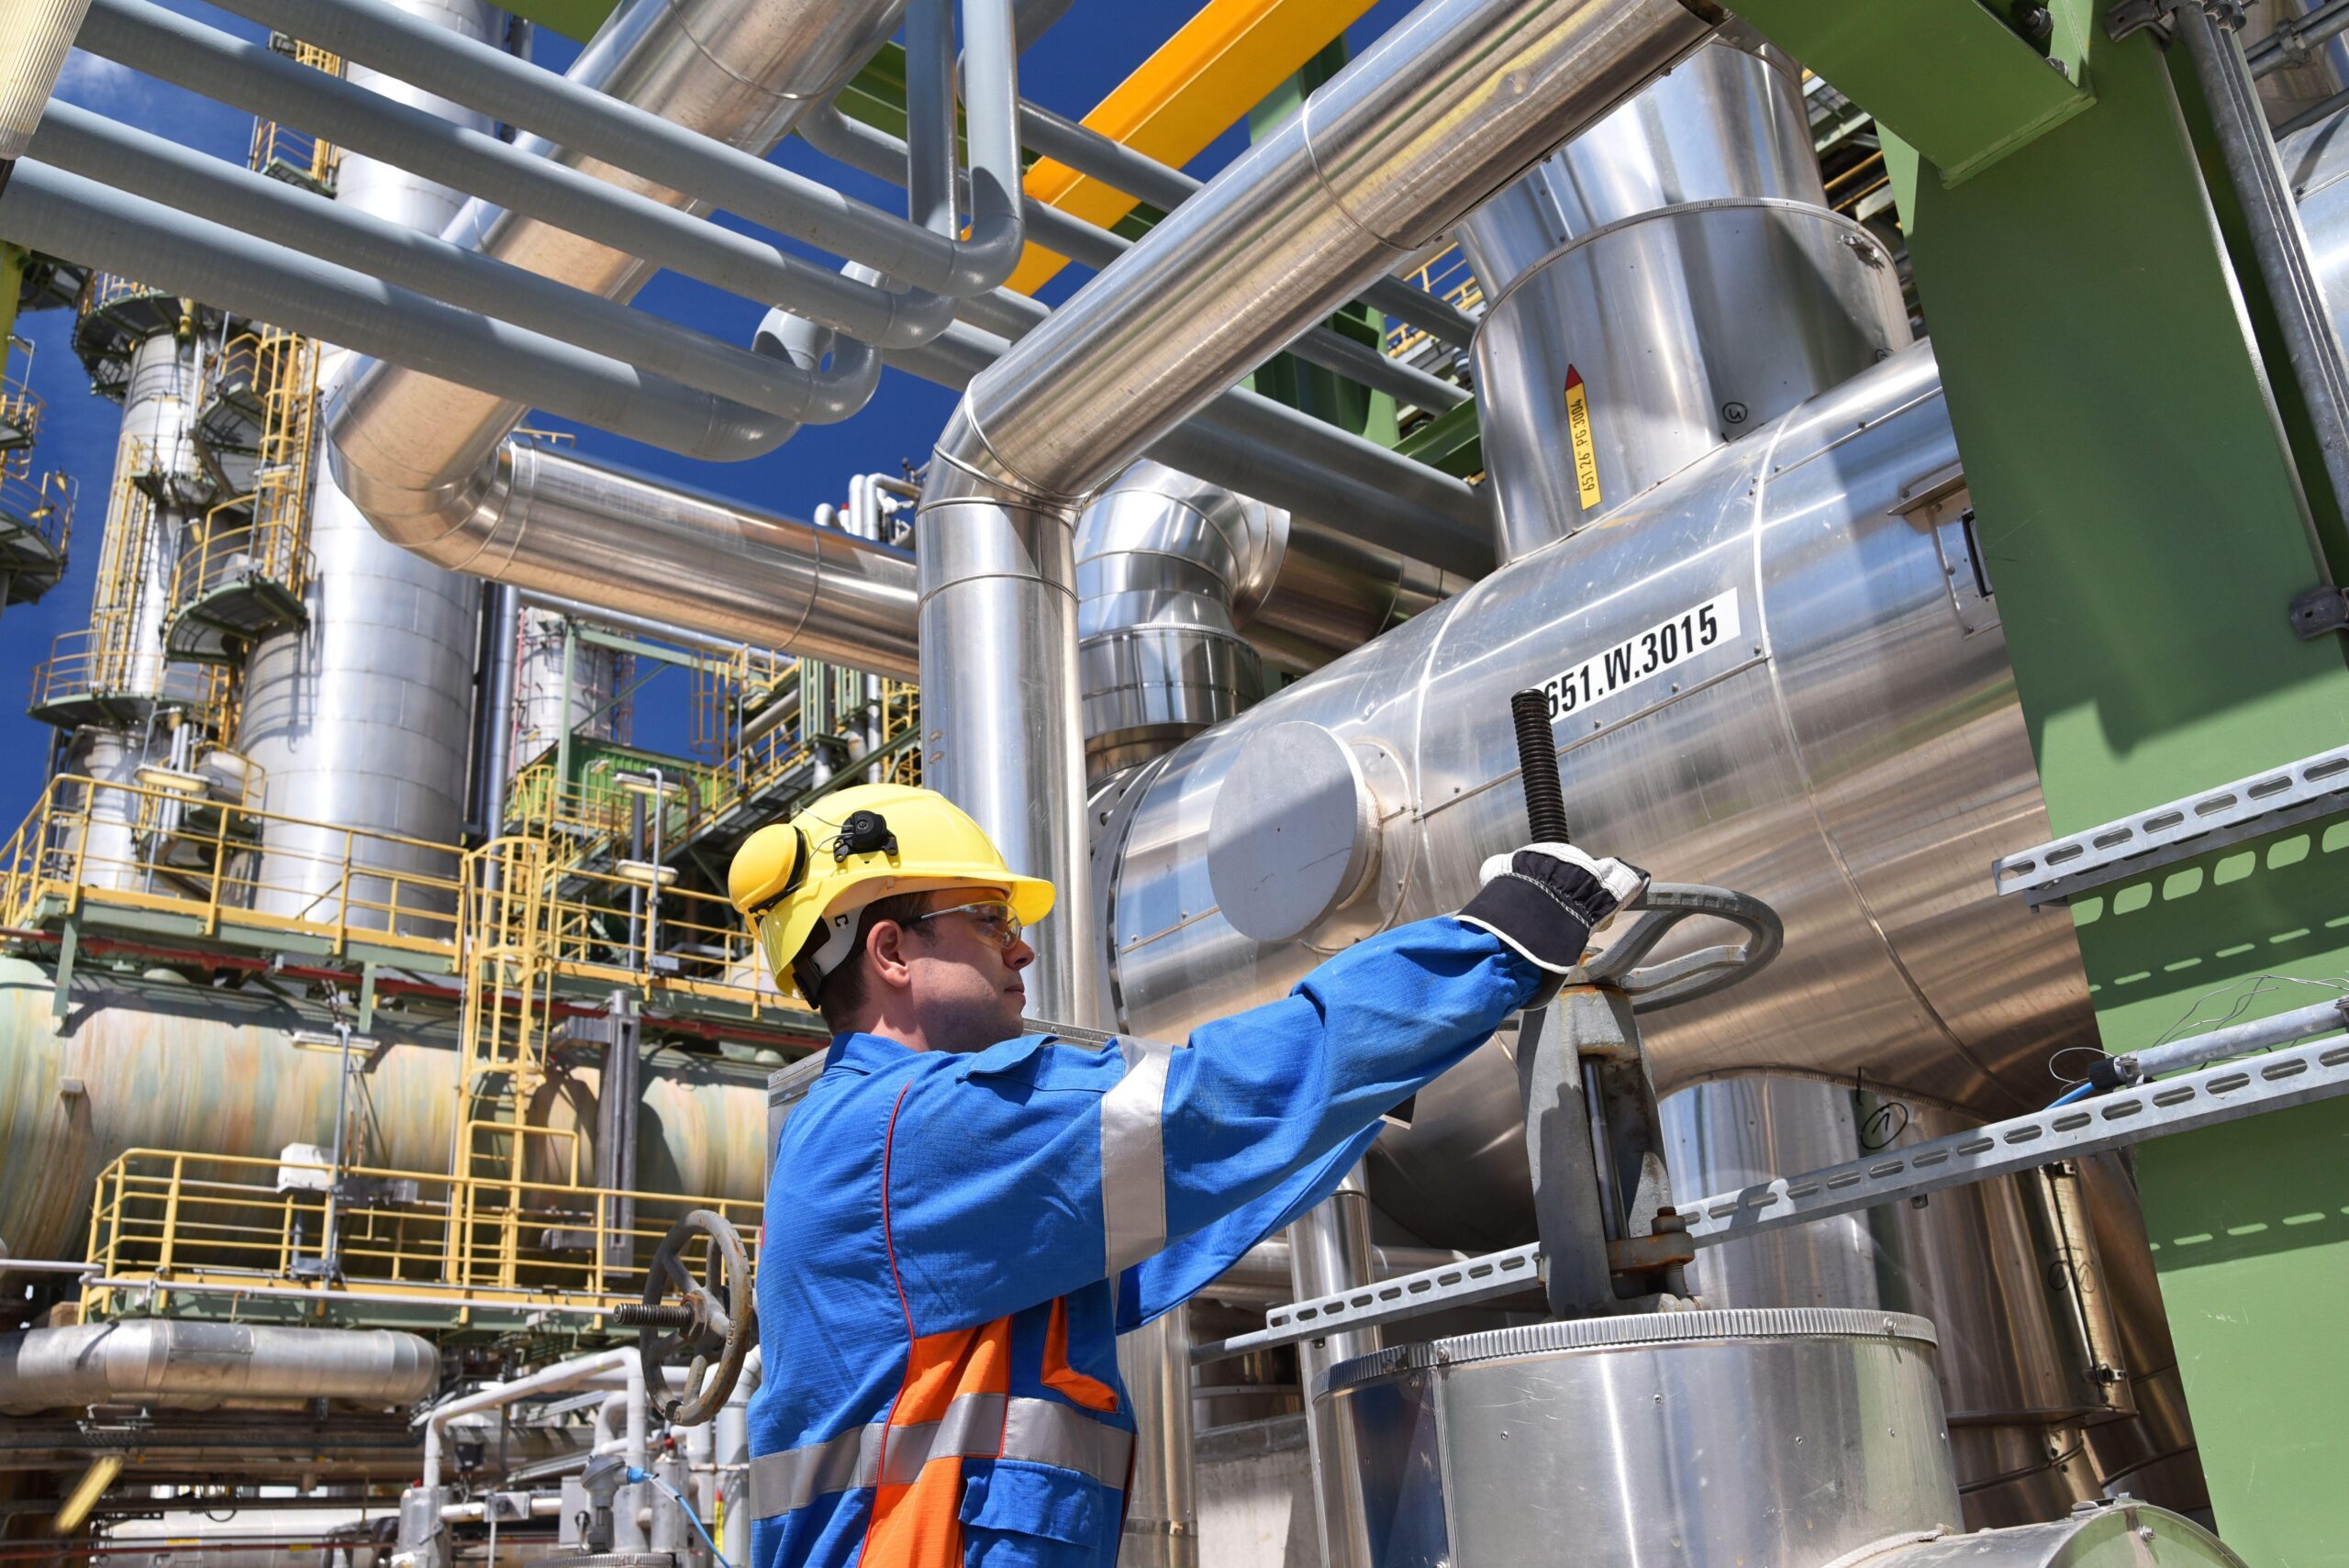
1133	1156
976	1426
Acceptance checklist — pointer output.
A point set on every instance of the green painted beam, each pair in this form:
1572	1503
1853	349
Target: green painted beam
573	18
2143	521
1952	79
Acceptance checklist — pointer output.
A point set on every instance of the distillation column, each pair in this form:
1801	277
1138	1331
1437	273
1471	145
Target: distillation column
363	719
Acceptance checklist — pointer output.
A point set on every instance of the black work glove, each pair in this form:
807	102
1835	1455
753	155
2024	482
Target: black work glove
1545	900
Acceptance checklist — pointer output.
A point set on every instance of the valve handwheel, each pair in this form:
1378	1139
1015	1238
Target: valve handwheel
713	1318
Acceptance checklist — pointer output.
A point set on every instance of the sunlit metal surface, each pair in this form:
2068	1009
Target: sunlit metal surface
1759	760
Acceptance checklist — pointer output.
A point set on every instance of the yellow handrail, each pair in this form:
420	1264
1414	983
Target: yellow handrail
163	1218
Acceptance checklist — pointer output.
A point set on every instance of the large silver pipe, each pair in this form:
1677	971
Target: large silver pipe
1161	562
211	1366
1757	759
590	122
1285	457
1442	111
1667	282
1330	1251
877	152
206	187
613	213
1452	104
426	455
328	745
549	522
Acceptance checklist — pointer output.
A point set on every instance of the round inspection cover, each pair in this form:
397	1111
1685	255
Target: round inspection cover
1293	833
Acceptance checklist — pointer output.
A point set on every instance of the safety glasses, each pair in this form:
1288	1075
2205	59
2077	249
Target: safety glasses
992	917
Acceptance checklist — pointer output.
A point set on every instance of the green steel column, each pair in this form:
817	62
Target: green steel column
2144	523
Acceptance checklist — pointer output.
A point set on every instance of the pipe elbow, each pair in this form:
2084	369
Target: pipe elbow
444	513
985	260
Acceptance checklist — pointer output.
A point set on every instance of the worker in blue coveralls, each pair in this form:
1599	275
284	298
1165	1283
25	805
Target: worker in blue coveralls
962	1218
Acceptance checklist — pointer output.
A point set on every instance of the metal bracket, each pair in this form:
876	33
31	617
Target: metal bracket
2278	1080
2129	845
2319	610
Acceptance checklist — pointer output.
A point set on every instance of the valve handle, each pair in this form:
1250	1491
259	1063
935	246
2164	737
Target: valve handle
1661	906
713	1320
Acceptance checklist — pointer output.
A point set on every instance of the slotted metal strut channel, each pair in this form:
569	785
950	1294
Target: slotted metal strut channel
2278	1080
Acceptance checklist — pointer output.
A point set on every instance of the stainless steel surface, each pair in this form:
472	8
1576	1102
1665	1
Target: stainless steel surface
1727	123
1335	591
2279	242
1161	560
1764	1439
211	1366
1162	1504
1966	1261
156	451
171	1066
1685	330
363	718
2123	1536
160	43
1900	962
1329	1251
1442	111
1666	283
546	520
425	454
1295	847
1001	710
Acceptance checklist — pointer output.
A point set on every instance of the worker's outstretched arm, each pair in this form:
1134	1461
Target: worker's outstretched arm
1029	1172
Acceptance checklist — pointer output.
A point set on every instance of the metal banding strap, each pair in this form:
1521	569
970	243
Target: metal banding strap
1133	1156
975	1426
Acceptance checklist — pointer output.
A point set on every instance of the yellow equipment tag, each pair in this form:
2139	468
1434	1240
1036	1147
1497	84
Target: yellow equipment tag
1578	431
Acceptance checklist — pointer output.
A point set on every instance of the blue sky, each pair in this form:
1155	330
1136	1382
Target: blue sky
1081	59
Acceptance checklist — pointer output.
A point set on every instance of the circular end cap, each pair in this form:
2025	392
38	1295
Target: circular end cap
1293	832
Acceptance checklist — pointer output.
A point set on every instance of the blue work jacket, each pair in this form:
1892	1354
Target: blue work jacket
954	1242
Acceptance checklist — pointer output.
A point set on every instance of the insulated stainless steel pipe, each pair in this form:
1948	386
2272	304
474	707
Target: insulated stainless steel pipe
1452	104
1449	106
422	455
590	121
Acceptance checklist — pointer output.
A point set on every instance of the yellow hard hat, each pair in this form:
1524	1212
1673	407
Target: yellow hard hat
857	845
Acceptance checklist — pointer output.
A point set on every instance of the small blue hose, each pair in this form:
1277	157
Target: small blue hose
636	1476
2077	1092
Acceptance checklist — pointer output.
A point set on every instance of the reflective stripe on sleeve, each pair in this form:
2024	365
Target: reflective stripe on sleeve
1133	1156
976	1426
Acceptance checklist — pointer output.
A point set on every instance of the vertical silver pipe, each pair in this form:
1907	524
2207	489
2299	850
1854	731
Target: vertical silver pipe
363	718
1162	1508
504	606
1329	1251
2277	241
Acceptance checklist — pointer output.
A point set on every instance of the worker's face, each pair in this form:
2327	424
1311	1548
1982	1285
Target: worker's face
964	982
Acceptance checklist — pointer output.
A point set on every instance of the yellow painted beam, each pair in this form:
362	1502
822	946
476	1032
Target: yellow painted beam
1222	63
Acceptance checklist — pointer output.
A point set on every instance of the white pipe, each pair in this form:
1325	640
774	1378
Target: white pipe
551	1380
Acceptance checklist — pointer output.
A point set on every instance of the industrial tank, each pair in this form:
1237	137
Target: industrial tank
1777	671
159	1064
